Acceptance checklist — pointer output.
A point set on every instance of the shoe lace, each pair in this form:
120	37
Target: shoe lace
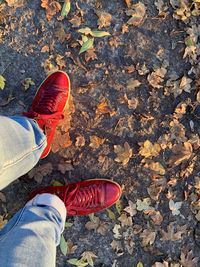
46	106
87	197
49	100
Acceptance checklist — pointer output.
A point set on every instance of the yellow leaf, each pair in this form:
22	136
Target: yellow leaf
96	141
85	31
2	82
156	167
149	150
119	206
66	8
27	83
111	214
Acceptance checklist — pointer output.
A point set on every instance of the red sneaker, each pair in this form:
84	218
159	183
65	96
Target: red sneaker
49	103
85	197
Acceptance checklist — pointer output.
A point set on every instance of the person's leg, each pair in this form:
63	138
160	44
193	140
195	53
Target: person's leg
23	141
21	145
31	236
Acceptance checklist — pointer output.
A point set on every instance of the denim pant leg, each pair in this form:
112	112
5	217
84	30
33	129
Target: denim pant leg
21	145
31	236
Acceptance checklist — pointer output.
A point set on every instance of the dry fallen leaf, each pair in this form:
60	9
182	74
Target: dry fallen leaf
116	232
62	35
52	8
132	103
90	54
175	206
39	172
65	166
117	247
144	205
3	222
137	13
104	19
2	82
97	225
157	77
149	150
148	237
27	83
80	141
155	167
131	208
173	235
15	3
180	153
132	84
96	141
124	153
125	220
188	260
2	197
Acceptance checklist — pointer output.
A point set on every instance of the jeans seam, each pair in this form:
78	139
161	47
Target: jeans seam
15	224
24	156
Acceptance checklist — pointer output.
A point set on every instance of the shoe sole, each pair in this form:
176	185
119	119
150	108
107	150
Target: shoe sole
67	102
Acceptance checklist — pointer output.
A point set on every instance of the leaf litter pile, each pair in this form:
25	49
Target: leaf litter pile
133	116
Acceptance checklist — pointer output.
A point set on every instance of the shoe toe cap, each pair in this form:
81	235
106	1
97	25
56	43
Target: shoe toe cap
112	193
60	79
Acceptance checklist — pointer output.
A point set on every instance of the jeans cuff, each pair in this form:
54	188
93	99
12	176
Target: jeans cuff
50	200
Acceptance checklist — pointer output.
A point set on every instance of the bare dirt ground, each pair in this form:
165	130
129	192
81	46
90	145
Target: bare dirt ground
134	118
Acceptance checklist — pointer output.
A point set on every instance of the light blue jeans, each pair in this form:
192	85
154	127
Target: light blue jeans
30	238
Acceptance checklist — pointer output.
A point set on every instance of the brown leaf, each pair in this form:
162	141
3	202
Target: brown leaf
132	103
2	197
187	259
124	153
125	220
173	235
103	108
132	84
154	191
96	141
65	166
149	150
15	3
76	21
45	49
157	77
148	237
131	208
60	62
155	167
38	173
128	2
180	153
80	141
104	19
117	247
90	54
52	8
3	222
137	13
62	35
97	225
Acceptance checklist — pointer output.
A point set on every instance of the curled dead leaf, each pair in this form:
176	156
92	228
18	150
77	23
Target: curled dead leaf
137	13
